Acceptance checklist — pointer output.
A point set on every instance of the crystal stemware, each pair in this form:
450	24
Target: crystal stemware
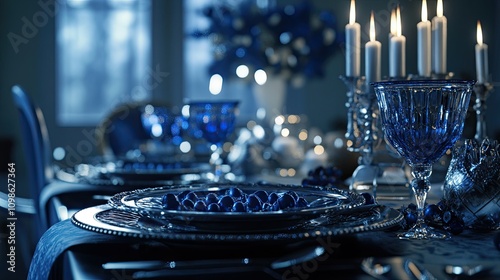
163	125
422	119
216	121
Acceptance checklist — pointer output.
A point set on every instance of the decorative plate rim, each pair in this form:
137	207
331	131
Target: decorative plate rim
86	219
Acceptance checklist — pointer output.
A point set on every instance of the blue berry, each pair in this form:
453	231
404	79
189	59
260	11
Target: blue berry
235	193
170	201
200	206
262	195
213	207
238	206
272	198
410	217
187	204
286	201
432	213
293	194
191	196
253	203
275	206
301	202
226	203
211	198
323	176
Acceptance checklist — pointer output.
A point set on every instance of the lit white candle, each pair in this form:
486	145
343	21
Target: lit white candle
353	44
373	51
439	39
481	57
392	31
424	43
397	56
393	23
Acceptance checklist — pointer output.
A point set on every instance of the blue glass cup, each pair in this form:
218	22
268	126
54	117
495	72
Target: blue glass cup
422	119
215	120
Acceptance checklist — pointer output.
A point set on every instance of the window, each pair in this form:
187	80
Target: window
103	51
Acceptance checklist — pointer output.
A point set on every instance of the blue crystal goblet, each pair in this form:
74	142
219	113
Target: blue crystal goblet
422	119
215	120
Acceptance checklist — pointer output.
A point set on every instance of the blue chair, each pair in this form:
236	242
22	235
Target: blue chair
36	144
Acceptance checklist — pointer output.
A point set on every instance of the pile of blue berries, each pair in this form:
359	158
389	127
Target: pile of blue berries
233	200
323	176
438	215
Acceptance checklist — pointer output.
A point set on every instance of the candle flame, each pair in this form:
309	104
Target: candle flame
393	22
439	9
372	28
479	33
398	23
352	16
424	10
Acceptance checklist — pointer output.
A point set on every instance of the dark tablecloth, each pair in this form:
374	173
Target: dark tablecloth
466	248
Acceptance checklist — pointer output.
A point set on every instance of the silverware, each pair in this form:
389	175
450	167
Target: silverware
417	271
375	270
155	268
464	270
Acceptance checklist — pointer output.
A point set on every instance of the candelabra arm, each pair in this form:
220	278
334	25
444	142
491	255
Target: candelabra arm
353	85
482	92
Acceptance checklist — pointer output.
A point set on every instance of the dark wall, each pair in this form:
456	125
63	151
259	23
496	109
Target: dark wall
32	66
323	101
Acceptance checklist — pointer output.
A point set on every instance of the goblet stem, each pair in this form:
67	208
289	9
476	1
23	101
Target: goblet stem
421	186
216	162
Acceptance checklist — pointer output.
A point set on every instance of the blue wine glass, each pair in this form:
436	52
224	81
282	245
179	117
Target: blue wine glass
165	125
215	120
422	119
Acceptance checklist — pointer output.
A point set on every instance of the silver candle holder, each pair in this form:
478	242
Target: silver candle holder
362	129
363	132
482	92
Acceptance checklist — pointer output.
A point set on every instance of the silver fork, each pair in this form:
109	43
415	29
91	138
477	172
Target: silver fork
376	270
417	271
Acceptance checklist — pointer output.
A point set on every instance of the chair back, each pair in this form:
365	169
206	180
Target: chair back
36	144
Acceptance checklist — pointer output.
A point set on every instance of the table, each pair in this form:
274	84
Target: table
88	251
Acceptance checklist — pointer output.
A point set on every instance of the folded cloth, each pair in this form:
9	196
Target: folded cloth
60	238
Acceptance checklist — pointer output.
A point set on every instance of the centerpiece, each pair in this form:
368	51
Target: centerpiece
269	46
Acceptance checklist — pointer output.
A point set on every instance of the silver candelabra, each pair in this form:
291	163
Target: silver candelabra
363	130
482	92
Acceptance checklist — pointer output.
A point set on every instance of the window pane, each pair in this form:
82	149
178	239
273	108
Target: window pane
103	57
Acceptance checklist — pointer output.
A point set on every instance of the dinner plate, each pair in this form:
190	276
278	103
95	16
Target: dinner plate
121	172
107	220
320	201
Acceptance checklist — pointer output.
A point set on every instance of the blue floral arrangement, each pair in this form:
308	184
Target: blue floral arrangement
293	41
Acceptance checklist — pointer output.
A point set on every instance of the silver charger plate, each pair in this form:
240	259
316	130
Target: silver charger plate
107	220
321	201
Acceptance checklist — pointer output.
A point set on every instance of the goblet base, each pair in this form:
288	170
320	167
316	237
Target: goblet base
423	232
